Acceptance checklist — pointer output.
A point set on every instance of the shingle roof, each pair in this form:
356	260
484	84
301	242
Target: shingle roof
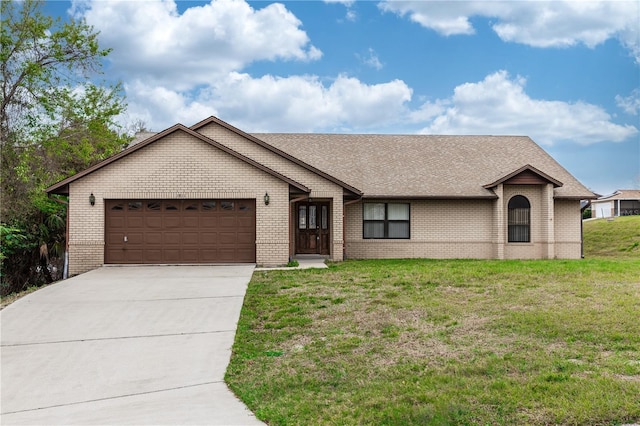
423	165
623	194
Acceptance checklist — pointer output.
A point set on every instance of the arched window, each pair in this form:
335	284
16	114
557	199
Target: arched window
519	220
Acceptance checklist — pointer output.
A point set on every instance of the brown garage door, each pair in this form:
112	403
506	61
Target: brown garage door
180	231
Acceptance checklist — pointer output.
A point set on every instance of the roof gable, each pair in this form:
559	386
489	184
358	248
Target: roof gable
526	175
62	187
276	151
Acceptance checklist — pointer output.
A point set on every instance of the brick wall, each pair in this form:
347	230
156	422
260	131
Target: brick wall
475	229
176	167
321	188
568	221
439	229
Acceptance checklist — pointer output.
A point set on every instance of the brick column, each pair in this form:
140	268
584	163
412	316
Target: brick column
550	225
499	217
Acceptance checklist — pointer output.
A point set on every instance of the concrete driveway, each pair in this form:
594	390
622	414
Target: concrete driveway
125	345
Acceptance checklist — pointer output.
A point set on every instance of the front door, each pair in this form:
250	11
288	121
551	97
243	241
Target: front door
312	228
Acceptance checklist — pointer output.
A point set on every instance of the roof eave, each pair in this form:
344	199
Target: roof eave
62	187
429	197
575	197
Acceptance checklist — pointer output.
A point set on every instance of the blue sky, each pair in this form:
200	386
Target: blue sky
567	74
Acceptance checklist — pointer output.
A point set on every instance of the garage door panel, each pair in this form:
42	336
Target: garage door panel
190	238
153	221
117	221
153	255
179	231
154	238
190	256
228	238
171	255
226	255
209	222
134	255
245	222
208	238
115	238
245	238
246	255
228	222
191	222
134	238
209	255
135	222
171	221
171	238
117	255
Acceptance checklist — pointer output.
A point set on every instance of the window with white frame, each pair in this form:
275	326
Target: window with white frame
519	217
386	221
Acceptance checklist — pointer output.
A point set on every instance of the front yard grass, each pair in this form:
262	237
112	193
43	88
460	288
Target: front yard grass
442	342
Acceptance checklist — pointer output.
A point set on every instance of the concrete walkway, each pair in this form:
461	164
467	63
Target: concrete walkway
304	262
125	345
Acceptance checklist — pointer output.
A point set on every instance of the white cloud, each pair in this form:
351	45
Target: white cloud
351	15
534	23
184	67
161	107
499	105
344	2
370	59
152	40
270	104
629	104
304	103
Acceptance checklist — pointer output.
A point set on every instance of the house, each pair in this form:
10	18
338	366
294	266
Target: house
212	193
624	202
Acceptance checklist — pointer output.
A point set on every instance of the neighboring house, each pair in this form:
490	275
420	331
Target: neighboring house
211	193
624	202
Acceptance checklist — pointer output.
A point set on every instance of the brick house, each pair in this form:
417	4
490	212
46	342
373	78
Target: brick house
211	193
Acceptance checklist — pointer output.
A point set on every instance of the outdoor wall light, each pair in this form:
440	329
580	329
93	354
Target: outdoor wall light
266	198
92	199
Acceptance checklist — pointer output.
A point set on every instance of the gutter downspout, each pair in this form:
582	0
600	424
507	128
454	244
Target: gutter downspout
582	228
581	238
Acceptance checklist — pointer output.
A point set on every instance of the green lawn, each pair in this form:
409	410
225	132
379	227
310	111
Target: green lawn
618	238
444	342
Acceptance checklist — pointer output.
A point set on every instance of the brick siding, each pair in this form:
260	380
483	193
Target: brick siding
180	166
475	229
321	188
176	167
439	229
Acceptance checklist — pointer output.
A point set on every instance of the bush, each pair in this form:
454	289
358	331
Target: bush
32	255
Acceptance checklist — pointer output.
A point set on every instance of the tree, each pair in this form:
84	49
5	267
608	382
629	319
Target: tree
54	122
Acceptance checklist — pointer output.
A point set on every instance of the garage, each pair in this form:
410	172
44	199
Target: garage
180	231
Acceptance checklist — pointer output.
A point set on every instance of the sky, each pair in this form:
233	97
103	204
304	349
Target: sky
565	73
